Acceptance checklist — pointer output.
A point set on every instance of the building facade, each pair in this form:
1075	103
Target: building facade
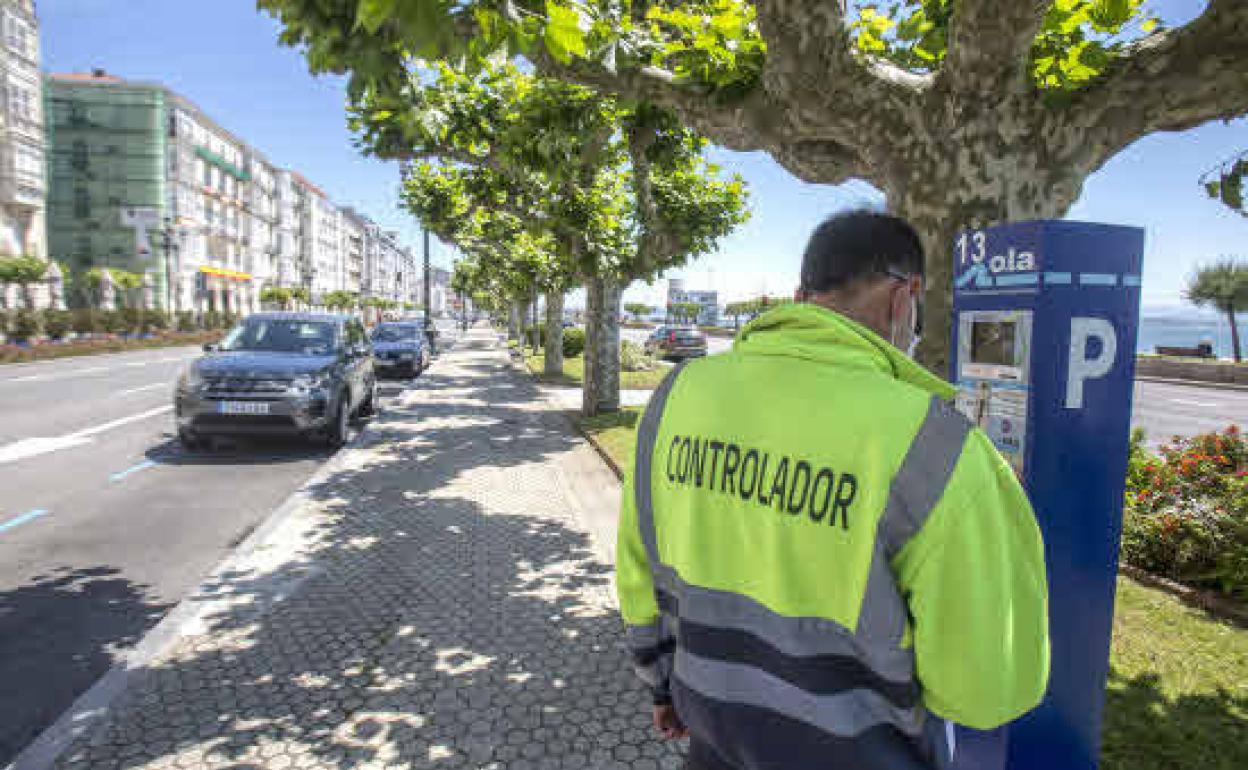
144	181
353	250
707	300
23	184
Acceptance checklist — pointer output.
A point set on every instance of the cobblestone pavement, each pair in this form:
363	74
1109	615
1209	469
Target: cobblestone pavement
437	604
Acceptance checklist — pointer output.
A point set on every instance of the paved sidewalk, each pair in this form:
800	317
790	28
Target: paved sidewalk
438	603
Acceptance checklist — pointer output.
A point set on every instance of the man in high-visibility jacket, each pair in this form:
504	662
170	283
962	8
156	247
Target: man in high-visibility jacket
821	564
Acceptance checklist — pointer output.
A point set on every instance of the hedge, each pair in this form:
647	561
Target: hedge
25	325
1185	516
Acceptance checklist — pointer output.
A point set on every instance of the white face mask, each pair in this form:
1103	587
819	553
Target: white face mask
899	333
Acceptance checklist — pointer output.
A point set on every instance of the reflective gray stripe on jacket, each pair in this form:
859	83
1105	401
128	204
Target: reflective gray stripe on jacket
761	686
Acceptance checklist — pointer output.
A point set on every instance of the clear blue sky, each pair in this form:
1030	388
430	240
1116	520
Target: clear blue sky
225	58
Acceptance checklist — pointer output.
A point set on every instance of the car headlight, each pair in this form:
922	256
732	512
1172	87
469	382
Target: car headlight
307	384
190	379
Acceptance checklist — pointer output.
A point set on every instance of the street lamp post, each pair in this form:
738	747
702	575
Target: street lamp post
428	293
167	244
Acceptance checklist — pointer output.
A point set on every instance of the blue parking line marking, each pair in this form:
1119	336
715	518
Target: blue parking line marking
1018	279
1098	279
1058	279
132	469
20	520
1130	280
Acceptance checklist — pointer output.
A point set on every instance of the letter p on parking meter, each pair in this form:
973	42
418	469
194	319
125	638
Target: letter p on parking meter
1081	367
1044	334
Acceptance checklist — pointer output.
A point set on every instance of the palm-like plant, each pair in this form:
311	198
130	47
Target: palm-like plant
1222	285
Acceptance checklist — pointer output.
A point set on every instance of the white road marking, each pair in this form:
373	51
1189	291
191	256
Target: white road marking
142	388
98	429
59	375
1190	402
31	447
71	373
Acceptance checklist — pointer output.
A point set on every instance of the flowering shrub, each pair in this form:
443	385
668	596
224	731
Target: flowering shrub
1186	510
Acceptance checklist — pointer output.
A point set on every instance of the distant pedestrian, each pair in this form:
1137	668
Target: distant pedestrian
821	563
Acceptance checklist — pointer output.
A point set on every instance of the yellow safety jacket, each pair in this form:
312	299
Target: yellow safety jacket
817	553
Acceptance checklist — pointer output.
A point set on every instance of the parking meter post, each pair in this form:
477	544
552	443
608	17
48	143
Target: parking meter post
1044	336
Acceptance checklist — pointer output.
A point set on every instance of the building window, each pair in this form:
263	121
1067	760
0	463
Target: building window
82	203
29	161
17	35
20	103
79	158
201	170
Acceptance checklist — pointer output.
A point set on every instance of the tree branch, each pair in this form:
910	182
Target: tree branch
821	161
989	45
827	90
741	125
801	32
1170	81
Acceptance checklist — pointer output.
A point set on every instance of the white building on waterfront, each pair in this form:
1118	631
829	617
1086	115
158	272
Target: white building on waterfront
23	186
219	222
707	300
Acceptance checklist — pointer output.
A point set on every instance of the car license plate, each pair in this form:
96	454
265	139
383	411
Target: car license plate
407	356
242	407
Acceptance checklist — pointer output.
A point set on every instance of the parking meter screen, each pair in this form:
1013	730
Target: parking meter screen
993	342
993	378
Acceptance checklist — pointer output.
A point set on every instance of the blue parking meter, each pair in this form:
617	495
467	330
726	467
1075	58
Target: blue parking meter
1045	316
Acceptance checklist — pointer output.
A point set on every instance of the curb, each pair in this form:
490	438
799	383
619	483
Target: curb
1214	604
93	705
602	452
1194	383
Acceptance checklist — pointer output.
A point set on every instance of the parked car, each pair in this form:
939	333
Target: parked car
676	342
400	349
305	374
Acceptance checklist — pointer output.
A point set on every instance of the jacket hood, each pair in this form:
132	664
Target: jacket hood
803	330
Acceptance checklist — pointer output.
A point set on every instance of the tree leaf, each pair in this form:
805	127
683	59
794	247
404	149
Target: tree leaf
563	33
371	14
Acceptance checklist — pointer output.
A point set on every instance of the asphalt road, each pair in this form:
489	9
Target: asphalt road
106	523
1163	410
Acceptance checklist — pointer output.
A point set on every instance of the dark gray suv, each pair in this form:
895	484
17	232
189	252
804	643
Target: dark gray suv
279	373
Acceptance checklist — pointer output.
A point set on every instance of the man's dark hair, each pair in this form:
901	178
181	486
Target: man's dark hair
856	245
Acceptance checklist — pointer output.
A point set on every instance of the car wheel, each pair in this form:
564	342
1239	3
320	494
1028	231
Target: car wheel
368	407
190	440
339	428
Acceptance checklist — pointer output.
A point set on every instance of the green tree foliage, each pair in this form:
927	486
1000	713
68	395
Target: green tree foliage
547	185
340	300
277	295
713	44
1226	183
684	312
637	310
1224	287
963	113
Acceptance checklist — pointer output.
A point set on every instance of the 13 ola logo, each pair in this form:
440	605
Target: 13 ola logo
973	249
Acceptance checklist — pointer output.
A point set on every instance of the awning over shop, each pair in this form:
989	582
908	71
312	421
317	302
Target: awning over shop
221	272
208	155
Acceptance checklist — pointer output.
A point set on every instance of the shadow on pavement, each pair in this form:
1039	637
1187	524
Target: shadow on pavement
239	451
1145	728
445	615
58	634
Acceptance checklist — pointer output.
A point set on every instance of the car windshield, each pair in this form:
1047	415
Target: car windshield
314	338
403	333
